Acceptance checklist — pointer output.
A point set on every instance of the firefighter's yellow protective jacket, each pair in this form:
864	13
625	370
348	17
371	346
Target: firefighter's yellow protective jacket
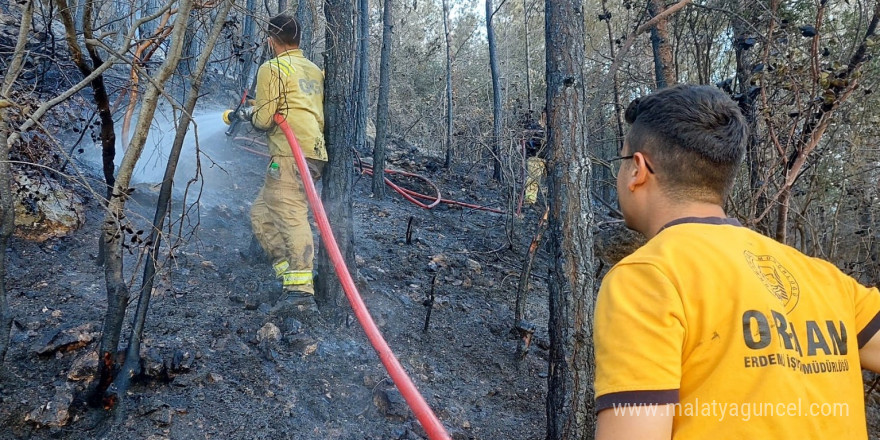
292	85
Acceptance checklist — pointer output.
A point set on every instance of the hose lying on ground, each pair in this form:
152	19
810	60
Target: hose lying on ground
406	193
408	390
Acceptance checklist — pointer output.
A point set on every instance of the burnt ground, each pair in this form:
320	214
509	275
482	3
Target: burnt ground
219	370
216	368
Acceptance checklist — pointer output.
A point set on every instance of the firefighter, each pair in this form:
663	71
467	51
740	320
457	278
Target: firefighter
293	86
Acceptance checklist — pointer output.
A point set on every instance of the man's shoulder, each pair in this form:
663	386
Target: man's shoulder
307	65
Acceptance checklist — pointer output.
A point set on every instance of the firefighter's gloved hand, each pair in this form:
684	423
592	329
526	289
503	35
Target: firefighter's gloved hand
245	113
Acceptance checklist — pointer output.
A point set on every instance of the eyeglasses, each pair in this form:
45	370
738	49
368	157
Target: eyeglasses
615	164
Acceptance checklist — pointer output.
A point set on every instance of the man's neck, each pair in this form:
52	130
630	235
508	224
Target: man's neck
665	213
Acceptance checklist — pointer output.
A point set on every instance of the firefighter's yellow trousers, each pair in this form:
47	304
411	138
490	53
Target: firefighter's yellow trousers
280	220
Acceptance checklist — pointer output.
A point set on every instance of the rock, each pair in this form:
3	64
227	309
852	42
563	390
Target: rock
44	209
181	361
437	262
67	339
474	266
56	412
292	326
84	367
251	302
302	343
161	416
269	332
391	404
153	363
214	378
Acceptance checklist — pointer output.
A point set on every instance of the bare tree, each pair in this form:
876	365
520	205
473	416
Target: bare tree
115	223
528	58
382	103
496	93
448	40
305	19
7	209
339	133
569	400
132	364
362	76
99	89
664	75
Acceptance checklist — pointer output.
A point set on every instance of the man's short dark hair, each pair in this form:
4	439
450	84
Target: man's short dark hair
695	138
285	29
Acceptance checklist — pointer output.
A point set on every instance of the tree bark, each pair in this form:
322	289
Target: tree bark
339	132
102	100
131	367
306	26
362	77
448	39
528	60
496	93
382	103
570	412
7	226
7	207
249	34
113	228
663	73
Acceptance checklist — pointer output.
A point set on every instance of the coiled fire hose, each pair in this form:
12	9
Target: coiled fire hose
408	390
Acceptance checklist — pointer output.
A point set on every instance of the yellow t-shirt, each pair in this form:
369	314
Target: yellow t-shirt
292	85
748	338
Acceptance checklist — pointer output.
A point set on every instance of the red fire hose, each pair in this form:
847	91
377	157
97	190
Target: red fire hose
414	399
406	193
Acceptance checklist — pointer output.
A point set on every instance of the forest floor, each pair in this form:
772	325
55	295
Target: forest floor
232	370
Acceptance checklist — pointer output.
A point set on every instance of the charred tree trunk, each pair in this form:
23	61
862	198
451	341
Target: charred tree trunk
7	206
663	73
7	225
448	39
496	93
570	412
362	77
528	60
382	103
249	34
115	223
305	19
131	367
102	100
339	131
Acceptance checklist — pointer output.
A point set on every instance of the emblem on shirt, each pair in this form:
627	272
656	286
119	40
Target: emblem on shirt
776	278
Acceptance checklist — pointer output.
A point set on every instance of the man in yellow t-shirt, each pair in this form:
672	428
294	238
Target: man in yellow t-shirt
293	86
711	330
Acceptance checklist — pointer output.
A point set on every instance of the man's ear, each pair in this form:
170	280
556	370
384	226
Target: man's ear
638	174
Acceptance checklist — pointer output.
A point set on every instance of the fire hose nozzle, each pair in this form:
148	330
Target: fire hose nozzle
226	117
242	115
